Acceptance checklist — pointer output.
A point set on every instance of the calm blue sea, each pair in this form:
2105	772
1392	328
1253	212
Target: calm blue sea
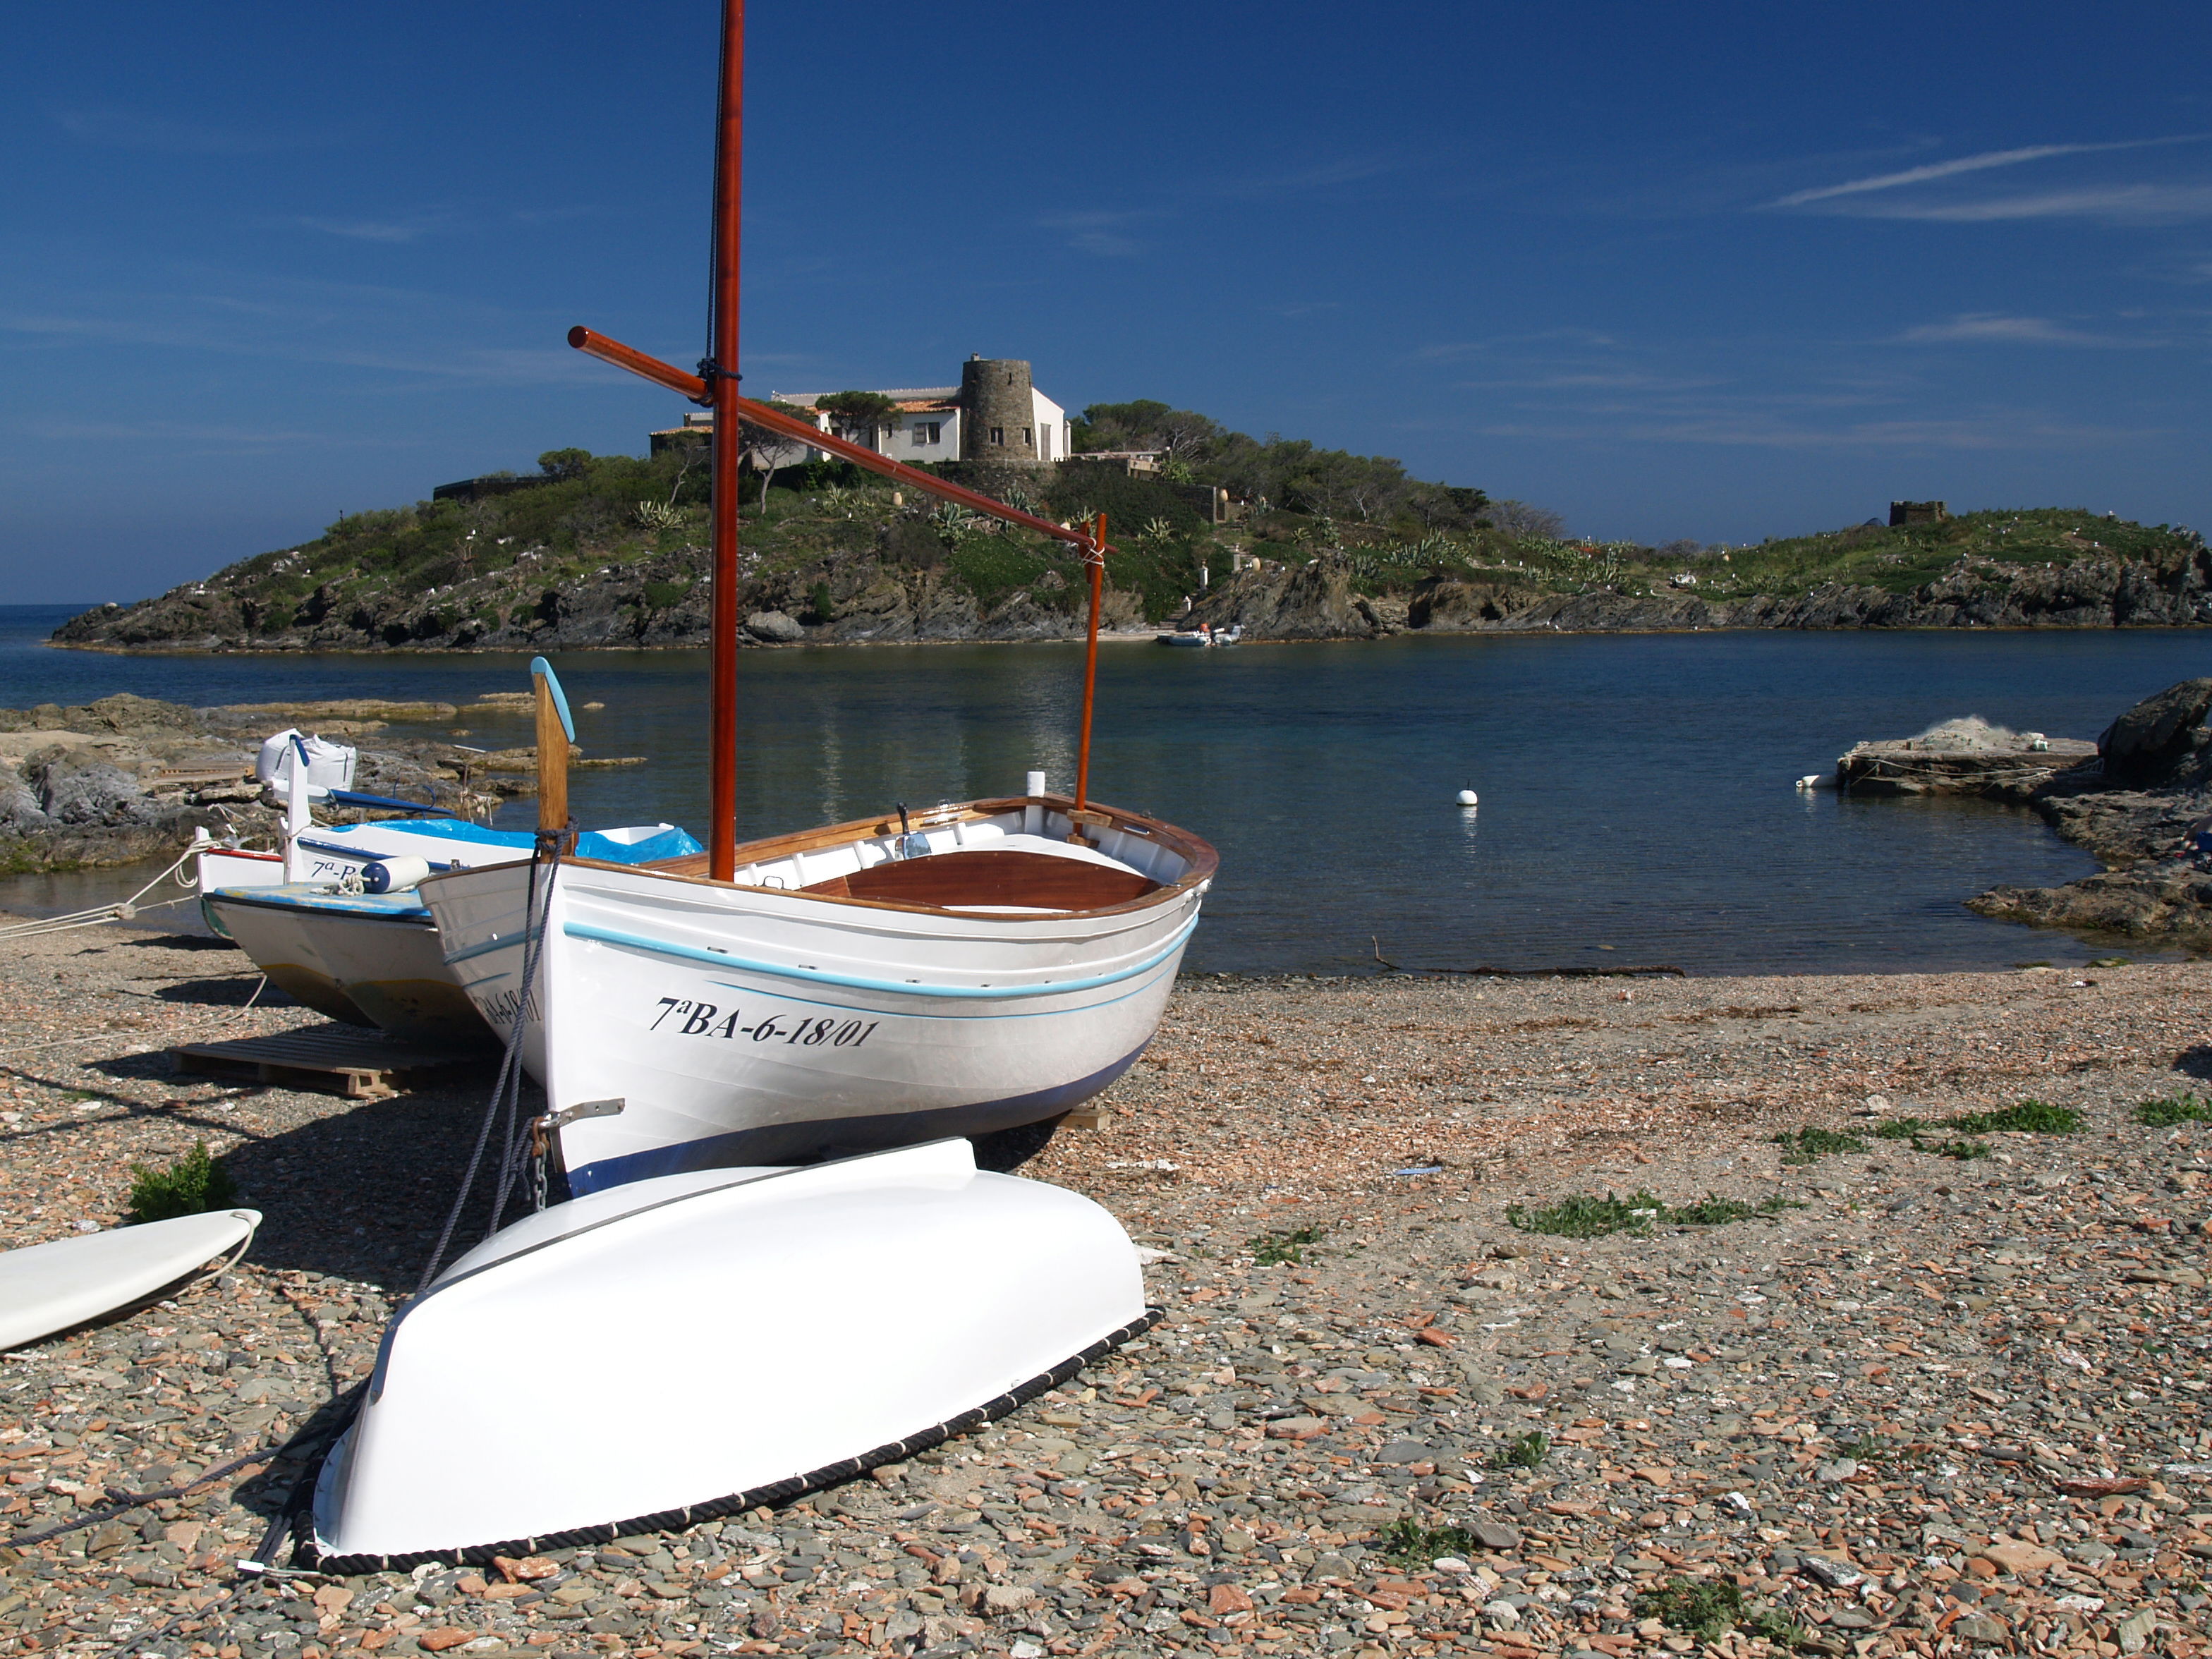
1635	791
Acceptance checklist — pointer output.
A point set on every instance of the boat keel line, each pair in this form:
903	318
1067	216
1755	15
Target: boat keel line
308	1556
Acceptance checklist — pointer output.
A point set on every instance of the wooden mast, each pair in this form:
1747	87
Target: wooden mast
1096	561
720	373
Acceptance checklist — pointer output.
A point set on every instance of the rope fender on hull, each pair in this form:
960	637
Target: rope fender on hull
309	1555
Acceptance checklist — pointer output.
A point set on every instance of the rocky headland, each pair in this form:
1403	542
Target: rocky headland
126	778
2136	804
614	556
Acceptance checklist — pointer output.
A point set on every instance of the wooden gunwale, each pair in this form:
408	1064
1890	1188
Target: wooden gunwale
1204	861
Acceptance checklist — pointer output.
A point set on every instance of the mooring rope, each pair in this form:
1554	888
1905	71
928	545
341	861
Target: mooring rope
507	1088
123	911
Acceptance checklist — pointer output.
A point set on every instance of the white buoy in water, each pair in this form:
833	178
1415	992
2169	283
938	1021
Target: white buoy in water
1467	798
1811	780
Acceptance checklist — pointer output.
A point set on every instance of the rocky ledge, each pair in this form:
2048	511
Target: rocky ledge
2135	805
127	777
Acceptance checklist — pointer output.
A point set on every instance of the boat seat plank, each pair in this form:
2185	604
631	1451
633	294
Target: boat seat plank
991	876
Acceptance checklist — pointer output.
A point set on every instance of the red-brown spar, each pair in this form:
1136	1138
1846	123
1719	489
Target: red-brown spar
875	993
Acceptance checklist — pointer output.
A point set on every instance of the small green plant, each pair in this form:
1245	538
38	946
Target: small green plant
1410	1544
194	1184
1523	1451
1704	1608
2033	1117
1282	1249
1809	1145
1709	1608
660	596
1712	1211
2171	1110
1776	1628
1585	1215
2029	1117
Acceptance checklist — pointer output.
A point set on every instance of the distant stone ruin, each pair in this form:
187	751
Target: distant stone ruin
1917	512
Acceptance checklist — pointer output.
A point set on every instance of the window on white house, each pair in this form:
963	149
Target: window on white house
927	432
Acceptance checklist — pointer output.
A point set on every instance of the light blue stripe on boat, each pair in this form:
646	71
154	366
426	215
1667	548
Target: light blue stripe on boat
895	986
483	946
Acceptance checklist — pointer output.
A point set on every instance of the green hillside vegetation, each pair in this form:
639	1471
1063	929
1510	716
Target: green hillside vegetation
623	538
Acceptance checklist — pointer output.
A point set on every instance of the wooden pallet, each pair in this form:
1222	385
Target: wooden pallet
330	1058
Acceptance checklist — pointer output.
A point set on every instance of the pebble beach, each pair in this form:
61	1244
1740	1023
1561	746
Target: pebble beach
1857	1394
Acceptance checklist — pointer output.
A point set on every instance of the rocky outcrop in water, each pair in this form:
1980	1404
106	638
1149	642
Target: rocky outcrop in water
2134	807
129	778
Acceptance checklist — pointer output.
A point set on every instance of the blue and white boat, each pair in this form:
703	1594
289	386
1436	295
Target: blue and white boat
357	942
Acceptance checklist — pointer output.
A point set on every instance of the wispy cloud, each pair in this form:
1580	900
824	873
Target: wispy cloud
1101	233
201	437
377	230
1981	163
131	128
1997	431
1991	328
1322	175
1443	351
2133	204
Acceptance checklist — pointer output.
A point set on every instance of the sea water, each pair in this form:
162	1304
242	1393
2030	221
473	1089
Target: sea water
1637	805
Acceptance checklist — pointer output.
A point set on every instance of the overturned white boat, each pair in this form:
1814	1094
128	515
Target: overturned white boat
764	1332
968	970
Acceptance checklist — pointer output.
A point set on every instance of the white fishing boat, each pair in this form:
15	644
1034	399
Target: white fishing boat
373	957
857	986
862	986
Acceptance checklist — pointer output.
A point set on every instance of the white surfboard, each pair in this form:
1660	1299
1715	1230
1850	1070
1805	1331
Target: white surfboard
45	1288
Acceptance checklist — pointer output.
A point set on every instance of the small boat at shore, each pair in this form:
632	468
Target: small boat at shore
355	941
968	970
1205	637
372	957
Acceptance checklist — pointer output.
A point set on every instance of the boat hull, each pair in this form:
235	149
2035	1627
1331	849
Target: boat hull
743	1024
754	1333
369	959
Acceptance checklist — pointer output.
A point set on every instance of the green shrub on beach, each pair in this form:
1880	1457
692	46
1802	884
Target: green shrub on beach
2028	1117
2172	1109
1410	1544
1283	1248
1585	1215
193	1184
1809	1145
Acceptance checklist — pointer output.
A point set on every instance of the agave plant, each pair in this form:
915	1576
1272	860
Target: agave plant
660	515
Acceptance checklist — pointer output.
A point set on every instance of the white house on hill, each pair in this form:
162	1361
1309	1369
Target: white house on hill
994	413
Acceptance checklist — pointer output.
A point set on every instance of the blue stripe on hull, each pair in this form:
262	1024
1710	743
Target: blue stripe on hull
844	1137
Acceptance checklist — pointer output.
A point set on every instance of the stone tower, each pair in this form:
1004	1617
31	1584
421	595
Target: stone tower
998	418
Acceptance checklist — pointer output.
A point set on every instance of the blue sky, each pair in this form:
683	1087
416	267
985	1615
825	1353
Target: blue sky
1719	271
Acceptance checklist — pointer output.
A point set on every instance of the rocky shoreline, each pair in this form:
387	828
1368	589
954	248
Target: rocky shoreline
127	778
1904	1403
2135	806
893	585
